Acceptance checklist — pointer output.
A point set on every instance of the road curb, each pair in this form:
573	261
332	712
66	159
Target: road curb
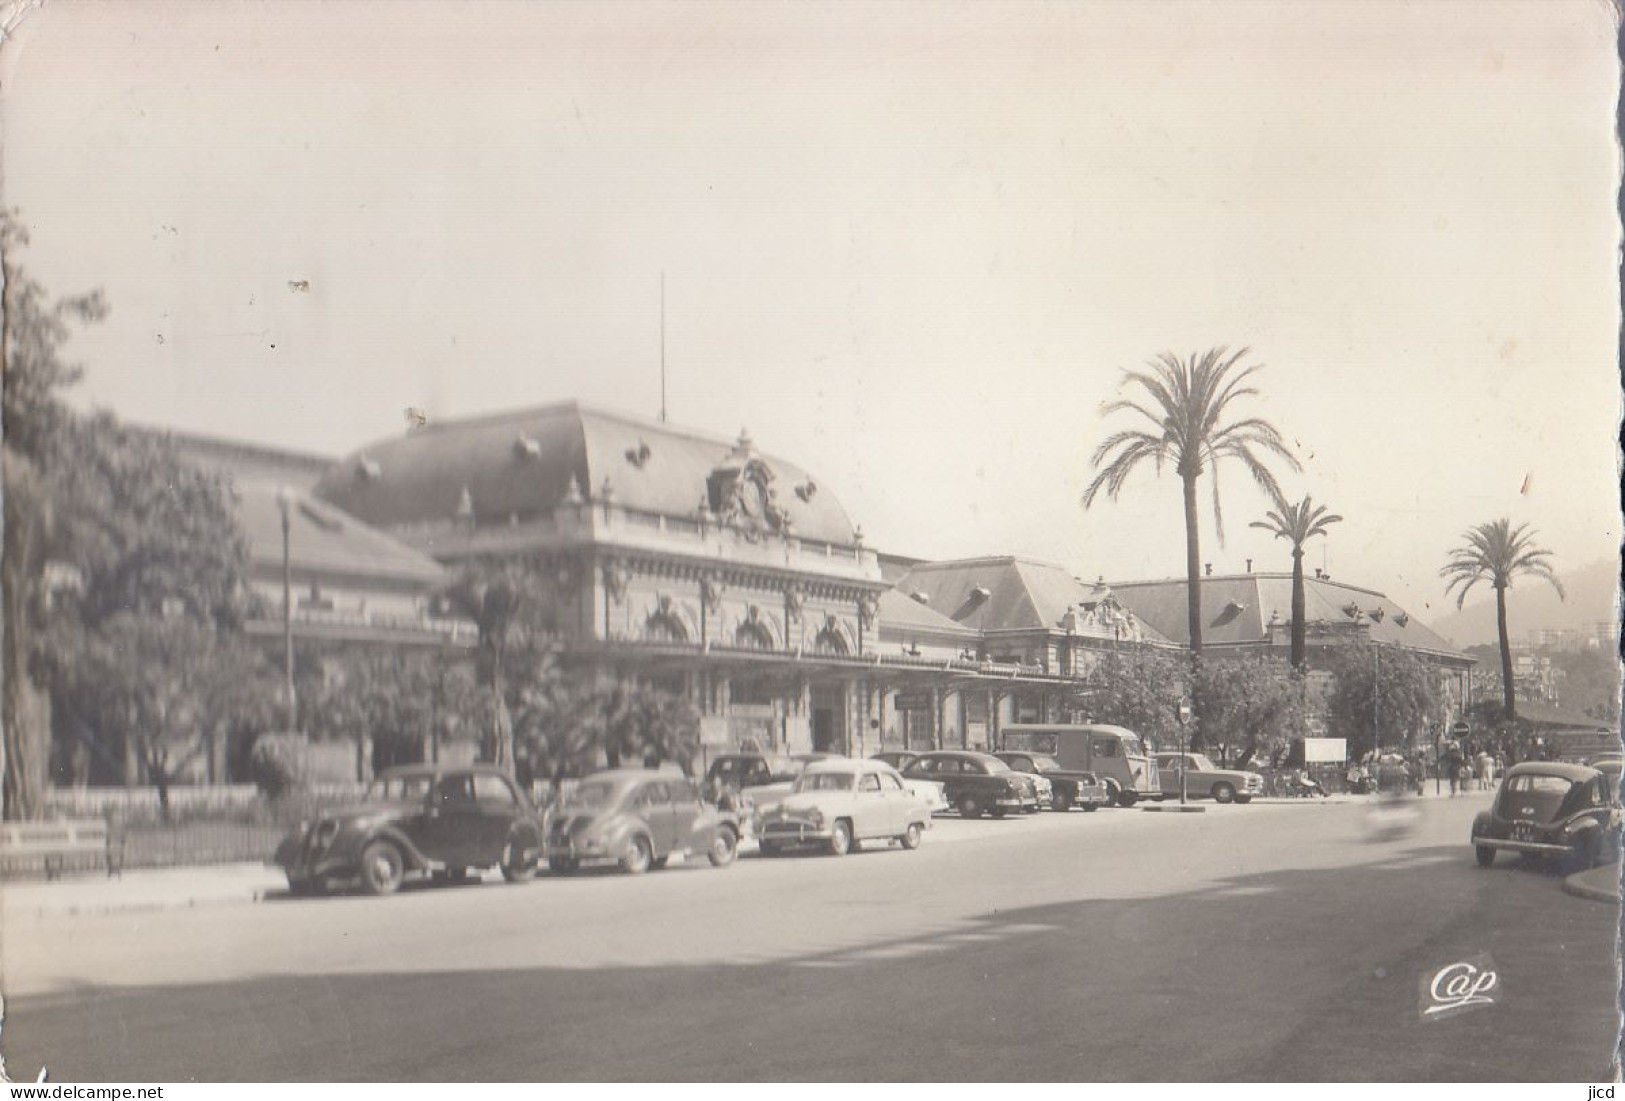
1578	886
1175	808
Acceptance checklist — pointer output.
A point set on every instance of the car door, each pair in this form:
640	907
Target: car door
454	823
686	807
499	808
899	801
653	803
869	810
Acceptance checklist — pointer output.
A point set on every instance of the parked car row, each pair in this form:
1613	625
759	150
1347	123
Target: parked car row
448	823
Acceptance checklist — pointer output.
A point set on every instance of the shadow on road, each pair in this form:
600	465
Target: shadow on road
1302	975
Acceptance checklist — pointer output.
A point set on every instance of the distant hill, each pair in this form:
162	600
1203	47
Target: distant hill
1532	604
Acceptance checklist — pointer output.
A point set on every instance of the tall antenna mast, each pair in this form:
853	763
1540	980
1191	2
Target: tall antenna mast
662	346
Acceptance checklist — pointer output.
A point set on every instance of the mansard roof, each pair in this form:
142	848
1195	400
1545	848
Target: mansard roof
1006	593
519	465
1237	609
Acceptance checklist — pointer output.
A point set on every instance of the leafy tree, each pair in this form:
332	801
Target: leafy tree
1140	692
1381	695
1188	407
170	684
407	703
1498	553
1297	524
571	724
139	532
508	605
1251	705
33	329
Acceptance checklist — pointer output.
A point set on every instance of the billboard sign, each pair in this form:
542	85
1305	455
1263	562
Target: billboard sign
1323	750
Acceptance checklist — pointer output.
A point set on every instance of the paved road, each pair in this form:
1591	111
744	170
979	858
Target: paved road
1262	942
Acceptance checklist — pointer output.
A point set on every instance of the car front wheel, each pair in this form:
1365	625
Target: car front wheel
1127	798
382	868
1244	799
1223	793
1059	801
724	847
1484	854
638	857
516	866
840	838
969	807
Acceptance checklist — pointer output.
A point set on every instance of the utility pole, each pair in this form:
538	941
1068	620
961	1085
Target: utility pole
662	346
284	500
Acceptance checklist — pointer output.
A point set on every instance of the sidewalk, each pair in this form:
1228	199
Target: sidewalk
142	889
1600	884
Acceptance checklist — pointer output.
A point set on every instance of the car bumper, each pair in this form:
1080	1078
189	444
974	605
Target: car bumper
1546	848
1020	802
792	833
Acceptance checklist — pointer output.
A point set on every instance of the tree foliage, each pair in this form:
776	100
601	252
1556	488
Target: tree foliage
1297	524
1251	706
1381	690
152	563
1186	413
509	604
568	724
1140	692
1498	553
407	703
170	686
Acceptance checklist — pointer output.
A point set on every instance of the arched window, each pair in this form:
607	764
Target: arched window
753	636
665	627
830	641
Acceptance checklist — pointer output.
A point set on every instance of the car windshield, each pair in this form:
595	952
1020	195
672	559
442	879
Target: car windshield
992	764
592	794
1132	747
824	781
399	789
1046	764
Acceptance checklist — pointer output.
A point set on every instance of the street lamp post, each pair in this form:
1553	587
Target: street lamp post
284	500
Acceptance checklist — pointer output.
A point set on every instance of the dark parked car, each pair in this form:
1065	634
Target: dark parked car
637	818
1551	809
1068	787
975	782
417	818
898	759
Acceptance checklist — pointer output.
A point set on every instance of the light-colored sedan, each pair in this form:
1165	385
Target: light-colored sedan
840	803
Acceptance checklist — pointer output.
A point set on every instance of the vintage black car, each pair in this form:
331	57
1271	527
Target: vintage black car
638	818
897	758
1069	787
417	818
975	782
1550	809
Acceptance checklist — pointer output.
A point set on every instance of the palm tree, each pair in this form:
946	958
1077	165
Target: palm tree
1498	553
1188	401
1297	524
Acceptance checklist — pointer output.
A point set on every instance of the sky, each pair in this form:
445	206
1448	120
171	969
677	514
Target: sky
911	247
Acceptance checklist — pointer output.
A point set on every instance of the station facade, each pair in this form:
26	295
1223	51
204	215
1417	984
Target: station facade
731	576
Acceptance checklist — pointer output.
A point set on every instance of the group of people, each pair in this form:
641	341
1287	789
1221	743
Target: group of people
1472	767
